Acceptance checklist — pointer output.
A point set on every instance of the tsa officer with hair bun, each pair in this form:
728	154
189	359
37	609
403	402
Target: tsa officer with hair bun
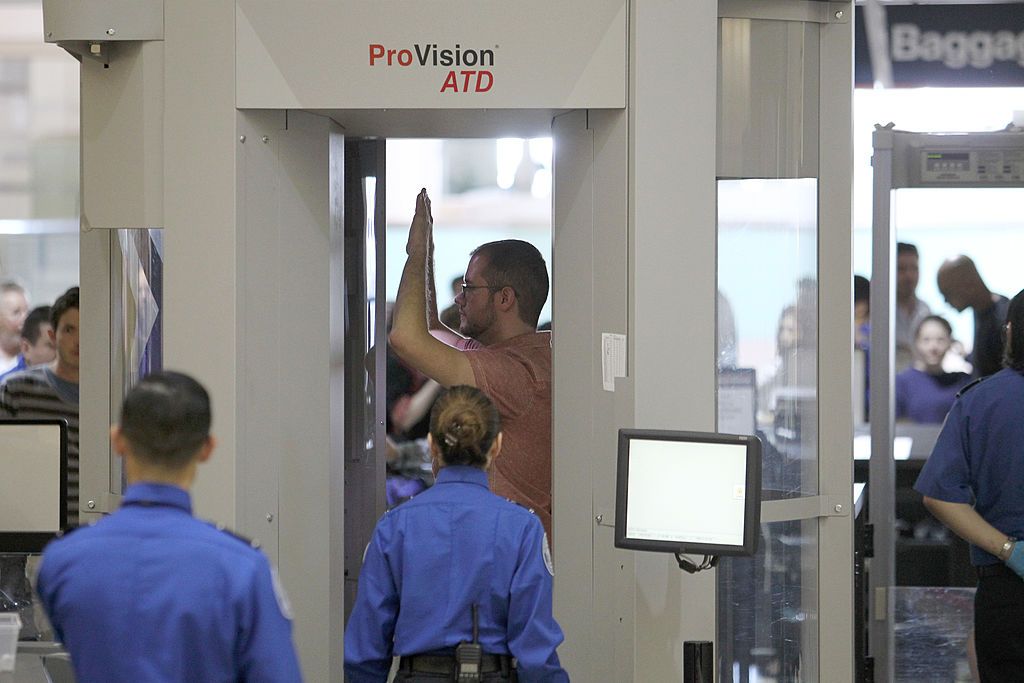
456	581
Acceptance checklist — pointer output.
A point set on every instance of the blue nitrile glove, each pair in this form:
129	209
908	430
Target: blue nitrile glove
1016	559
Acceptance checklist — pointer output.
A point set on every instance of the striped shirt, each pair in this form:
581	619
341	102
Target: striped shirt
38	393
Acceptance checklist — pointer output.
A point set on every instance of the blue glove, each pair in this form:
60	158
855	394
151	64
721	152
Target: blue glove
1016	559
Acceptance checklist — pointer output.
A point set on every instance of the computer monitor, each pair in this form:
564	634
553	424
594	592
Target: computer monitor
688	492
33	483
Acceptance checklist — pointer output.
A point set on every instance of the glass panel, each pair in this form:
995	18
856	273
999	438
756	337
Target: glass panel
768	324
136	320
767	607
767	385
932	626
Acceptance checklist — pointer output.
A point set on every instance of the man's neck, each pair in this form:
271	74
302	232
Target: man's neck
500	333
907	303
65	371
984	302
148	474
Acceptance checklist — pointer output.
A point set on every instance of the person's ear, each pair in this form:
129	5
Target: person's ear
206	450
506	298
52	334
118	440
495	449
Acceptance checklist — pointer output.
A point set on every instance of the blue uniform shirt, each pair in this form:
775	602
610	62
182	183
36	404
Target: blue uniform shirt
18	366
152	594
979	456
431	559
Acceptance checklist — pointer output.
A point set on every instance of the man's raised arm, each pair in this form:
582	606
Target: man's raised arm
437	328
410	336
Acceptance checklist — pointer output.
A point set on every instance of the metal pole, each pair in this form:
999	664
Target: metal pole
881	479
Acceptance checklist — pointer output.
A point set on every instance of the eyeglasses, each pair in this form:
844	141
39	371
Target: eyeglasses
493	288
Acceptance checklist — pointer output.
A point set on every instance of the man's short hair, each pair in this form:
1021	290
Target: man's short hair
11	286
64	303
34	321
166	419
519	265
905	248
861	288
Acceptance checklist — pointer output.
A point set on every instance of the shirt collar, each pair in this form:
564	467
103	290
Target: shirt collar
537	339
462	474
151	493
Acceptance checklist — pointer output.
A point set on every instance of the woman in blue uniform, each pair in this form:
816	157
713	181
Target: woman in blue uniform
456	580
974	484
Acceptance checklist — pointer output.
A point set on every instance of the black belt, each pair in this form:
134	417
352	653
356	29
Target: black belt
999	569
446	664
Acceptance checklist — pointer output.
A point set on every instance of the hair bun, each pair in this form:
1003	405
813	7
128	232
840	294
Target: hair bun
464	424
452	434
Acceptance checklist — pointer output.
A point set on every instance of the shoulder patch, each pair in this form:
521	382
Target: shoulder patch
530	510
237	536
971	386
283	603
546	553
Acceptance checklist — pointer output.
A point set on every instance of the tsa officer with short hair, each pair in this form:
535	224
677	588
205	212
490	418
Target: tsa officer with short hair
152	594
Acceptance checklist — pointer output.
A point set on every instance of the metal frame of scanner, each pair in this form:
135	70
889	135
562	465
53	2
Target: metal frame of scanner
904	159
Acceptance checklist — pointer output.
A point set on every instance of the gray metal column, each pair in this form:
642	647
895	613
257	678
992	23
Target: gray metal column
835	430
365	350
882	478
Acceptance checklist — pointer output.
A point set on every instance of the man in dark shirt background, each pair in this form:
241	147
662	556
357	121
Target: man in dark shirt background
962	287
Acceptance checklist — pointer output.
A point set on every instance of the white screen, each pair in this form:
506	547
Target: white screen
30	493
681	491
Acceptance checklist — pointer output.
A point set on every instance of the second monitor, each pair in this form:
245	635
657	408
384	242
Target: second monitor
688	492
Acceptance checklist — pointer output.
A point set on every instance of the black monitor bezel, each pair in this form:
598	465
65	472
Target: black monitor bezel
752	504
32	542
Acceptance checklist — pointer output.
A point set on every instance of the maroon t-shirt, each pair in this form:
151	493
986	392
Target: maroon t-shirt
516	375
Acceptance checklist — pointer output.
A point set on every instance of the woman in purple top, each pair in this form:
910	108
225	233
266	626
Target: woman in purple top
925	392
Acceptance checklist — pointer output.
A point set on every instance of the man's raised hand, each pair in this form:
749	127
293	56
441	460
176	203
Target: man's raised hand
421	230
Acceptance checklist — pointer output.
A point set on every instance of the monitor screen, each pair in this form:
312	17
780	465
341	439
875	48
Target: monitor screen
688	492
33	485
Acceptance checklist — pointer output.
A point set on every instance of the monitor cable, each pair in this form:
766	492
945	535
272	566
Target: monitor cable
687	565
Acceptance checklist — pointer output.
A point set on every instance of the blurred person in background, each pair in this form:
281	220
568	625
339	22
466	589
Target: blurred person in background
910	310
962	286
37	346
926	392
13	311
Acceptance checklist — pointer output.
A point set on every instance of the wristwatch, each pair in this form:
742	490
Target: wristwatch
1007	549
